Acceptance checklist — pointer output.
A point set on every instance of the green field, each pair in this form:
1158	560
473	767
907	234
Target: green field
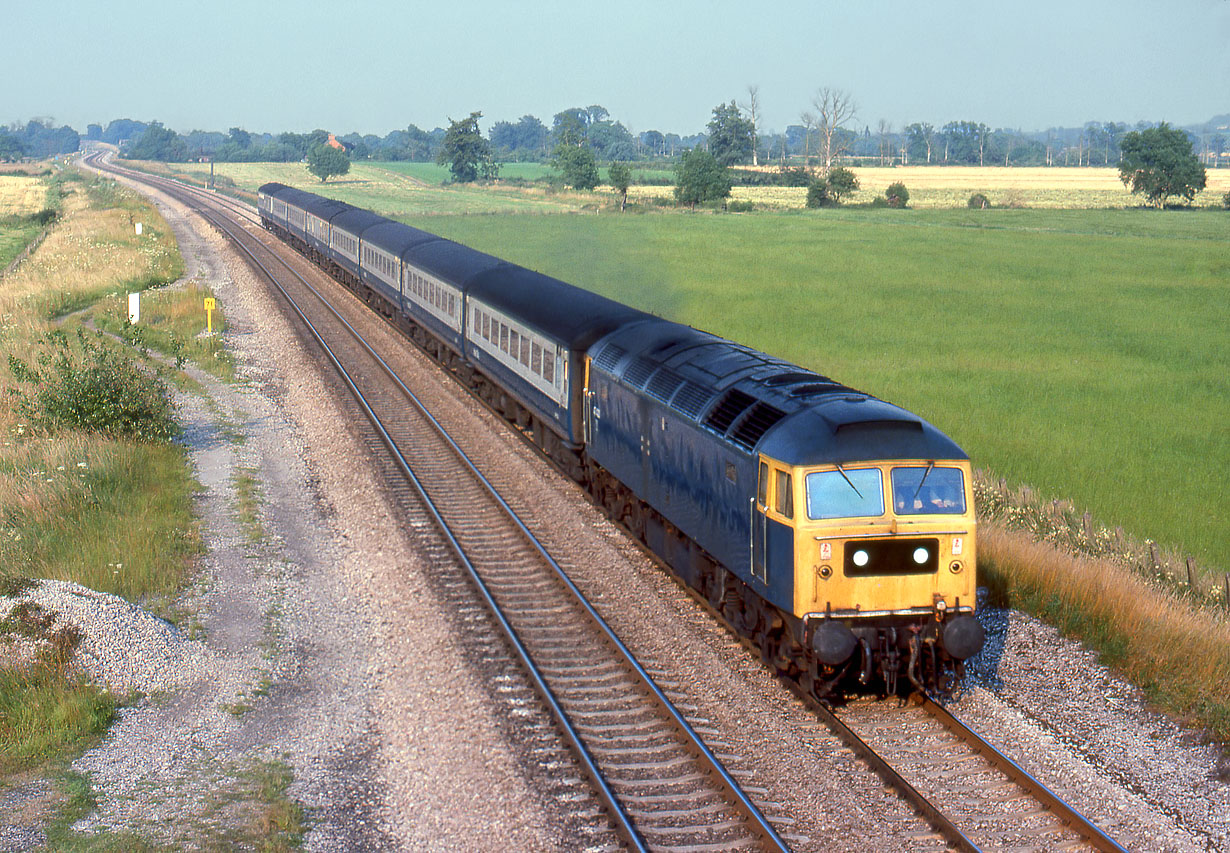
1081	352
16	232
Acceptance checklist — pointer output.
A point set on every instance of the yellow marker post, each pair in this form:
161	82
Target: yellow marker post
209	314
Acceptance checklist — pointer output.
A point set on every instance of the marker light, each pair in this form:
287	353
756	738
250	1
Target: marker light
921	555
861	558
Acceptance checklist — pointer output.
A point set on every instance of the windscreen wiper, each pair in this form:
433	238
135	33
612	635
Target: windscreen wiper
926	474
847	479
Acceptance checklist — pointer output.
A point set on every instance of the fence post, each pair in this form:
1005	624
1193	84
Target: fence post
1191	574
1226	601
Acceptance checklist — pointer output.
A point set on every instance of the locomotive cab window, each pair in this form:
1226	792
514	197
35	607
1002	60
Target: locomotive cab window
762	490
928	490
845	493
784	502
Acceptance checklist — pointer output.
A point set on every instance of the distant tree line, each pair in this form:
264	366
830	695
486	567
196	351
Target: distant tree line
38	139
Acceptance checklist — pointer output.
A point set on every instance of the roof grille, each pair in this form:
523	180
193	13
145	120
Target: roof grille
663	384
639	371
609	357
691	399
755	424
729	408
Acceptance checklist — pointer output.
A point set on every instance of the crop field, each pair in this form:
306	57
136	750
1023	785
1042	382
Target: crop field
20	194
951	187
1081	352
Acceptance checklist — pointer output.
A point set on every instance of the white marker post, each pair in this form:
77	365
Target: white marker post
134	307
138	229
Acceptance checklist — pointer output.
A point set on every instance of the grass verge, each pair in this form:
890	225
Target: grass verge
1175	651
114	514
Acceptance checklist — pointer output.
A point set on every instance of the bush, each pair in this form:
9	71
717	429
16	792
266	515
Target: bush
978	200
740	207
818	195
841	182
96	389
897	195
1225	201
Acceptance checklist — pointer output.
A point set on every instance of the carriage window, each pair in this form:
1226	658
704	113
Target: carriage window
928	490
548	366
536	359
785	495
511	349
845	493
525	351
503	337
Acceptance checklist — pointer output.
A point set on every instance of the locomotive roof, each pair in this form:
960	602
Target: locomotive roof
395	237
451	262
568	314
763	403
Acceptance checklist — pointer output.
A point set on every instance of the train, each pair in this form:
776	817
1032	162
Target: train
832	530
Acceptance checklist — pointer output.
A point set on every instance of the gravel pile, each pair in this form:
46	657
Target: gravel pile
123	648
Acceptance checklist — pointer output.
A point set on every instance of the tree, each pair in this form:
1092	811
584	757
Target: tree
920	137
699	178
1160	163
158	143
465	151
752	107
731	136
621	178
576	162
10	147
325	161
833	109
841	182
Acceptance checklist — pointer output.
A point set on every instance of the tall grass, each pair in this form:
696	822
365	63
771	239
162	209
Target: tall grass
112	514
1177	653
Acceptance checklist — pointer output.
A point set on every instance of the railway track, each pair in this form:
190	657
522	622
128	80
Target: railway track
649	767
979	797
664	789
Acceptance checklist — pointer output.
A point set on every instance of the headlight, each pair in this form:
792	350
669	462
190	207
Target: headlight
861	558
921	555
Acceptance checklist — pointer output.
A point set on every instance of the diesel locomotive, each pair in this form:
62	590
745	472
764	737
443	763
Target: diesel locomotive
831	529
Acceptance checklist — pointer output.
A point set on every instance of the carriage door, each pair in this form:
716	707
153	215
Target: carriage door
759	522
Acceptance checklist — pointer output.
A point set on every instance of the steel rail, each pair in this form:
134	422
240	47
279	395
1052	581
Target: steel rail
1064	812
761	826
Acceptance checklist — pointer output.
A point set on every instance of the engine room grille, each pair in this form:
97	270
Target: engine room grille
639	371
609	357
755	424
663	384
691	399
729	408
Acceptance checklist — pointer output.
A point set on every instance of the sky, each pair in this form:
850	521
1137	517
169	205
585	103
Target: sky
373	66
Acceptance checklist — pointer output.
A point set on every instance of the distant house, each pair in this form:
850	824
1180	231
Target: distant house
337	143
